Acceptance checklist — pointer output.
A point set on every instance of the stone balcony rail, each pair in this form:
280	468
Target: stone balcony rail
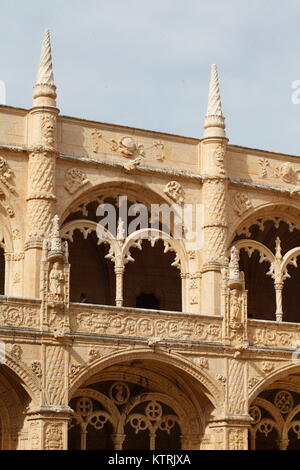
140	323
17	312
271	334
24	314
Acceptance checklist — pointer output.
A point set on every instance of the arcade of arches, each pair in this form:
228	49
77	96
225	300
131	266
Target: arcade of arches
150	280
138	406
276	416
271	292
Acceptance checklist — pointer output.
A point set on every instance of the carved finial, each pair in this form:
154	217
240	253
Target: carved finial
56	245
214	107
55	227
45	71
45	90
214	119
235	276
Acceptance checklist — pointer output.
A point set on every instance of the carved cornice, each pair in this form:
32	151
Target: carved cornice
14	149
262	187
140	169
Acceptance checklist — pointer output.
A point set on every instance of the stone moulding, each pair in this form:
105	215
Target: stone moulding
141	168
12	148
138	323
260	187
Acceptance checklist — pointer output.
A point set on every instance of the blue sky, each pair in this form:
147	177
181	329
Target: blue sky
146	63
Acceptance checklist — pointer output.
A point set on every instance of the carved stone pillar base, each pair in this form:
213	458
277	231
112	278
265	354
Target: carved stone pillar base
230	434
118	440
48	431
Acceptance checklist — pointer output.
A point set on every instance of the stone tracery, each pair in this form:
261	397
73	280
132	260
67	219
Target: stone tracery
120	247
130	414
278	252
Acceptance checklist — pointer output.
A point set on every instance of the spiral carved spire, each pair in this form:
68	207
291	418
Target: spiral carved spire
45	90
45	71
214	119
214	107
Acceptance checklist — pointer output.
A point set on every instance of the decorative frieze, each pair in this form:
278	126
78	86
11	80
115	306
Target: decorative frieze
273	336
19	316
121	324
126	146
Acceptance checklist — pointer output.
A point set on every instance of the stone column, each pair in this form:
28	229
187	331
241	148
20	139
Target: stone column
231	424
47	425
215	244
118	440
42	143
184	292
214	191
283	444
119	271
40	211
278	292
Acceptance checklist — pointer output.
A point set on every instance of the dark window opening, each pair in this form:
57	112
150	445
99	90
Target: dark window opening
147	301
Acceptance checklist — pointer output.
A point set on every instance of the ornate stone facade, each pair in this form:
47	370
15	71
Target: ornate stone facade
129	339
